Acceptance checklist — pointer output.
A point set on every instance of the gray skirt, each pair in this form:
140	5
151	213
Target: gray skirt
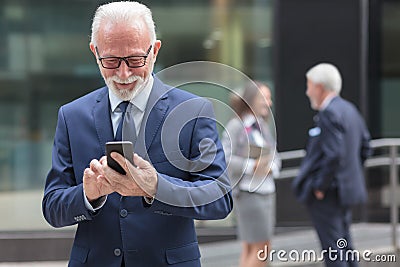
255	214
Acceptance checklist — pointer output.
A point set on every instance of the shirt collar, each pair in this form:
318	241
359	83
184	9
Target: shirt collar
327	101
248	120
139	101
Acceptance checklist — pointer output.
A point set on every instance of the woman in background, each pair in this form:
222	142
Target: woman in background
252	165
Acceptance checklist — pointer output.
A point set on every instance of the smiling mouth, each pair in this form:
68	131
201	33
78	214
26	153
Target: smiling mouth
124	85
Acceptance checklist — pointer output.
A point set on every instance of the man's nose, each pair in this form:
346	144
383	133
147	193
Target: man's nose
124	71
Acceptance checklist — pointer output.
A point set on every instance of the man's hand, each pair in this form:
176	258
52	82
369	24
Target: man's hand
138	181
319	194
94	183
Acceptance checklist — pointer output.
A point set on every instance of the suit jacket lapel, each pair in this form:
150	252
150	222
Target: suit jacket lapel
102	118
155	112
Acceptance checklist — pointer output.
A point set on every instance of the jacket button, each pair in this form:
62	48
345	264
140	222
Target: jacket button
123	213
117	252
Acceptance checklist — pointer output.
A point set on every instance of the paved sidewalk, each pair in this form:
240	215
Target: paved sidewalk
373	237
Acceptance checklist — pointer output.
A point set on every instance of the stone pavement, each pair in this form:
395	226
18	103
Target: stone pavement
367	237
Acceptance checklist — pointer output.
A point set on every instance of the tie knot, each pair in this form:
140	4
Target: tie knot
123	105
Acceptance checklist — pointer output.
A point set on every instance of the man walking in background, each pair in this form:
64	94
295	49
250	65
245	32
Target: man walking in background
331	177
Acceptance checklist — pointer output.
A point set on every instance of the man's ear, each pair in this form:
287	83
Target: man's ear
156	48
93	49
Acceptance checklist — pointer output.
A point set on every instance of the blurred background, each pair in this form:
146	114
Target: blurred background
45	62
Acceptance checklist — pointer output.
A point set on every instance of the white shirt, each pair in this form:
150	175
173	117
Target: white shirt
139	102
248	183
327	101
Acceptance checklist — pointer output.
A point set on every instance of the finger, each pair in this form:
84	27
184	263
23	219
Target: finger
112	176
88	173
95	165
140	162
121	160
103	159
103	180
104	164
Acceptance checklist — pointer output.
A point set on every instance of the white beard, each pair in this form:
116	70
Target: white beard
126	94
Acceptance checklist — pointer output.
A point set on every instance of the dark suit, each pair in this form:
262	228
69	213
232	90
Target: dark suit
336	150
161	234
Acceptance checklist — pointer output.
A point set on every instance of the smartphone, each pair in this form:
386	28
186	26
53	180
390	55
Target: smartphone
125	148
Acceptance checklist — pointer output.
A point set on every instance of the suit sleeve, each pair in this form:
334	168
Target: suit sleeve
63	202
332	134
206	194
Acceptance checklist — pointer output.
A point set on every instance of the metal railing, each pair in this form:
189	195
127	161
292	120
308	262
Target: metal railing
390	159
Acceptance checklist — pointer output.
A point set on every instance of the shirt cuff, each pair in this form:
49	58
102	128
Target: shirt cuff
97	204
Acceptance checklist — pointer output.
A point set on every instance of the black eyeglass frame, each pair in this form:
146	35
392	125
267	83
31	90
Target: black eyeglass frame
125	59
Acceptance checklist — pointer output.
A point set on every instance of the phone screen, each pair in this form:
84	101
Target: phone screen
125	148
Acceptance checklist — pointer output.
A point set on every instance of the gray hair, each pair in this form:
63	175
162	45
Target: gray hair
126	12
327	75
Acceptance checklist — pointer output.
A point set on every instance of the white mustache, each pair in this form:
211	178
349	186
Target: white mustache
131	79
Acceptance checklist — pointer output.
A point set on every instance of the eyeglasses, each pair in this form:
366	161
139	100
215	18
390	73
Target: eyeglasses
131	62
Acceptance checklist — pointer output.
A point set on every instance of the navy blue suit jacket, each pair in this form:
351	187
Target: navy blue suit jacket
192	183
336	150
